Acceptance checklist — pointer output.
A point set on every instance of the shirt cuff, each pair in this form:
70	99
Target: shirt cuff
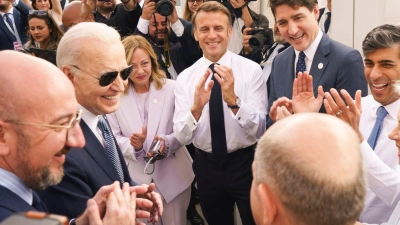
369	156
178	28
138	152
243	114
191	121
143	25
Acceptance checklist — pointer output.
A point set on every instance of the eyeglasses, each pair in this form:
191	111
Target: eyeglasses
38	12
109	77
70	127
197	1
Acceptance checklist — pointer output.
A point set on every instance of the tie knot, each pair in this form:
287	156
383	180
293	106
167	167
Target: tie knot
381	113
102	124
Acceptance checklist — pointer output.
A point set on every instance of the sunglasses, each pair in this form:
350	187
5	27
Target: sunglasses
38	12
109	77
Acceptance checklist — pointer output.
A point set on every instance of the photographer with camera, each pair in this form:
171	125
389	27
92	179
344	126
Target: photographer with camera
260	47
177	49
242	17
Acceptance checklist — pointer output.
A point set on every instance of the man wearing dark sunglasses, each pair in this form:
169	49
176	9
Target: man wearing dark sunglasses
14	19
92	56
39	125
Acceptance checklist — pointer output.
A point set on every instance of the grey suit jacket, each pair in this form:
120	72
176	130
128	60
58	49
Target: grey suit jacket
334	66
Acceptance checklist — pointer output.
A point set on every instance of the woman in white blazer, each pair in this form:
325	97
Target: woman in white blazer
145	114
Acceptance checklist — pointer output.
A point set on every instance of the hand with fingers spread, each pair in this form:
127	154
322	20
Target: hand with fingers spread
225	78
202	94
281	102
137	139
347	110
303	99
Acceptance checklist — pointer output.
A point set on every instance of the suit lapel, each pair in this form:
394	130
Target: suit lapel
156	103
98	153
17	21
288	69
130	111
320	62
5	29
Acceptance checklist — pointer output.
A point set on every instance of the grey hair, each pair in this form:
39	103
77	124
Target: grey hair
384	36
72	44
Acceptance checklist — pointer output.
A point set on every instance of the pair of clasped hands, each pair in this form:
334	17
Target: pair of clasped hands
303	100
122	206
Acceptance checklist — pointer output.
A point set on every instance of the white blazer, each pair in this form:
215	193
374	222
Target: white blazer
174	173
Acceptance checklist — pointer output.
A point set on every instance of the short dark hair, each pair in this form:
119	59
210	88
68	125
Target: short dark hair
384	36
212	6
309	4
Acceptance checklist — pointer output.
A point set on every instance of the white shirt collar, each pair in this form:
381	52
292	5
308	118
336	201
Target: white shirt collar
224	60
90	119
310	51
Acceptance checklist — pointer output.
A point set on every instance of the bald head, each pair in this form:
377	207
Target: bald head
312	163
76	12
30	85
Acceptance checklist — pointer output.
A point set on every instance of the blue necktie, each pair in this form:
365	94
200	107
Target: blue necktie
111	146
217	124
301	64
8	20
327	22
373	137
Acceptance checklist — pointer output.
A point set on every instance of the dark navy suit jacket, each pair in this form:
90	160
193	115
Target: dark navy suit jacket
86	171
11	203
20	14
334	66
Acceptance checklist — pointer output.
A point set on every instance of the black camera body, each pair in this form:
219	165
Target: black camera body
164	7
261	37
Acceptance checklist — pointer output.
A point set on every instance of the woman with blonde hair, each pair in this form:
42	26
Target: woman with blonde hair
143	128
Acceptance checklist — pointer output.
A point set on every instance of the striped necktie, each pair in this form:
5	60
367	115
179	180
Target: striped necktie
10	24
111	146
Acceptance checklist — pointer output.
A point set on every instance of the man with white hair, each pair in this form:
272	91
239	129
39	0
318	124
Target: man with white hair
92	56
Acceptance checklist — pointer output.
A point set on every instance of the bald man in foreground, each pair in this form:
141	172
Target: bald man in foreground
39	124
76	12
298	181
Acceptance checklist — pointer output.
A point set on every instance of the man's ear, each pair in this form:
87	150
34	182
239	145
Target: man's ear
5	134
316	11
269	200
67	71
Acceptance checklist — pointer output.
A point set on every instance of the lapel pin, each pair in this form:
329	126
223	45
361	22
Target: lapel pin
155	101
320	66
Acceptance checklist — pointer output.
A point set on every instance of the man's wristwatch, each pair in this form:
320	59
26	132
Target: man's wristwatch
238	103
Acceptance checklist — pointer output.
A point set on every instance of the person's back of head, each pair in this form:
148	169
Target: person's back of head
308	170
76	12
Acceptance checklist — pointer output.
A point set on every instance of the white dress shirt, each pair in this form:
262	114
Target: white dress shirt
11	16
242	129
14	184
382	165
91	121
309	52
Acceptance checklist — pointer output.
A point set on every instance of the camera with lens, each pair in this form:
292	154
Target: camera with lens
164	7
261	37
155	152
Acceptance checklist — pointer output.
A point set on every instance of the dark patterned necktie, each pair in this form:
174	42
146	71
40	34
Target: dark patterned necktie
373	137
217	124
327	22
9	22
111	146
301	64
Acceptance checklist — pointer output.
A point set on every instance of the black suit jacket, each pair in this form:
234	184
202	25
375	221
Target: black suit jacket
86	171
334	66
20	13
11	203
125	22
184	50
